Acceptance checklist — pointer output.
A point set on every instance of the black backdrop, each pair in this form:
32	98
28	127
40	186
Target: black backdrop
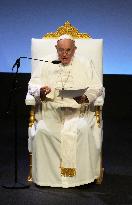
117	152
118	100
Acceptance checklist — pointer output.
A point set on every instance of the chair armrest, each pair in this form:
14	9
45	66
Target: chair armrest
30	100
100	100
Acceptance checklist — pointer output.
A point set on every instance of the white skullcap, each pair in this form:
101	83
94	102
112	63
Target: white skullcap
65	36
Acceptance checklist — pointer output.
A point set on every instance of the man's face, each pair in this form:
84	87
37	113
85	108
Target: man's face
65	49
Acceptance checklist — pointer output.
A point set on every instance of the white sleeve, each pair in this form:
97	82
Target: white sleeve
36	82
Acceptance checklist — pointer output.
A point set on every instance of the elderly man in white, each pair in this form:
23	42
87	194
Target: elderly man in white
64	151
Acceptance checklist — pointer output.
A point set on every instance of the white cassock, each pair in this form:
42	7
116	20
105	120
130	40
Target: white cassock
67	141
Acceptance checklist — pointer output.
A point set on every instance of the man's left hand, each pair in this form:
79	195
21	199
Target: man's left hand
81	99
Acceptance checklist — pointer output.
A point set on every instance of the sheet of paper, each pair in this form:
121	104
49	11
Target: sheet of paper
72	93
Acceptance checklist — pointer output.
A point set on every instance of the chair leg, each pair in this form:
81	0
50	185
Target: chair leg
100	178
30	168
31	122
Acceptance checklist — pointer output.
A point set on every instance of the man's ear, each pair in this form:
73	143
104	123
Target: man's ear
75	48
56	46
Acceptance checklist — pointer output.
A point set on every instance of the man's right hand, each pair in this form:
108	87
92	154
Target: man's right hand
44	91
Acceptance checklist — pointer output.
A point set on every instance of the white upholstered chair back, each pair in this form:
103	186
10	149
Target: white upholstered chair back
91	49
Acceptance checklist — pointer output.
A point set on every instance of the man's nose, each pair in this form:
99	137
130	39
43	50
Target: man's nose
64	54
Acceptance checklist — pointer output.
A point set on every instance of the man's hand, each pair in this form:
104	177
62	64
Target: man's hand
44	91
81	99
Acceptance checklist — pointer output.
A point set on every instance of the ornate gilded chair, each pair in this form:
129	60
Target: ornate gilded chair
89	48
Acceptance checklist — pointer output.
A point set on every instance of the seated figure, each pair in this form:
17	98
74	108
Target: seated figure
65	152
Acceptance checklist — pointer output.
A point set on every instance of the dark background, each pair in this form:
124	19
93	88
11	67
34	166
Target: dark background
117	87
116	188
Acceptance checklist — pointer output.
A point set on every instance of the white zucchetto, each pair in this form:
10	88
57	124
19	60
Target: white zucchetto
65	36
